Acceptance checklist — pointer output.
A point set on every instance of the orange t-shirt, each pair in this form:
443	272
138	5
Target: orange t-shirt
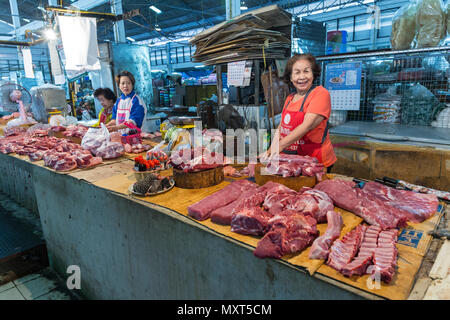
318	102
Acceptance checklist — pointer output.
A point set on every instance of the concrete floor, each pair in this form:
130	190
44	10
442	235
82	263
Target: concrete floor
42	285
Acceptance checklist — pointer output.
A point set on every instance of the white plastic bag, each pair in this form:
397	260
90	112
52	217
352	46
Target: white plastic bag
443	119
95	138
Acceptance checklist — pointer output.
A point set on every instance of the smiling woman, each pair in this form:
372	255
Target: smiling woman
303	129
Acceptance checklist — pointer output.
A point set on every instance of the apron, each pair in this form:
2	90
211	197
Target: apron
291	120
123	113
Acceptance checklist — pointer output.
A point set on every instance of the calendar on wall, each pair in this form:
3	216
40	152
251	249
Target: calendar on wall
343	81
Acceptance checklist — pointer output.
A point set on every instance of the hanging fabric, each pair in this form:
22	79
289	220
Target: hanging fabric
79	38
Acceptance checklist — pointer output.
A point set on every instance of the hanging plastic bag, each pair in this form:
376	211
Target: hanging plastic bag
403	26
430	23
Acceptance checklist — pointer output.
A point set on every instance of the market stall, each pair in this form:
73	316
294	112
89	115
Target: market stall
127	245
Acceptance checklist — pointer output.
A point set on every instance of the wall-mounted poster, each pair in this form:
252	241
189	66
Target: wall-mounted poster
343	81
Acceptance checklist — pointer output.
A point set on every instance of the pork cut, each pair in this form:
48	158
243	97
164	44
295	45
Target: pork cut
311	202
416	207
224	214
373	210
278	196
344	250
365	255
321	246
251	221
385	256
289	233
202	209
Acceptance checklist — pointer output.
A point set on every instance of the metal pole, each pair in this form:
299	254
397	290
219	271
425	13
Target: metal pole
119	26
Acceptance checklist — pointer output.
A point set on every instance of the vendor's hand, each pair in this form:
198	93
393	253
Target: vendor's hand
112	128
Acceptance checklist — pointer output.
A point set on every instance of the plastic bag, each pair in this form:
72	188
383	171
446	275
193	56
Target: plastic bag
95	138
430	23
443	119
403	26
387	107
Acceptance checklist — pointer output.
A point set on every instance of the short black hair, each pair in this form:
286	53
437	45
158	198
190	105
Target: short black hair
106	92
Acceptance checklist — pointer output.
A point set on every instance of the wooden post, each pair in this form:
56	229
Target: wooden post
271	97
257	80
219	84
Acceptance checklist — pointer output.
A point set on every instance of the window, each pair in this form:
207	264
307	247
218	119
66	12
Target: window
347	24
331	25
363	25
386	23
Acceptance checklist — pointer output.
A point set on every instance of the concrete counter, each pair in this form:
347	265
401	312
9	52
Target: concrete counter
127	249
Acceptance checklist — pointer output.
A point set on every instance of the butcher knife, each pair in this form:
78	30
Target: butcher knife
440	233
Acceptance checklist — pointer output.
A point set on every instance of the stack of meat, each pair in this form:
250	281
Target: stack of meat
77	131
363	247
136	148
196	159
378	204
288	165
59	154
285	218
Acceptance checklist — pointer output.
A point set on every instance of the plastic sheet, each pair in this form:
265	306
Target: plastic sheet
419	106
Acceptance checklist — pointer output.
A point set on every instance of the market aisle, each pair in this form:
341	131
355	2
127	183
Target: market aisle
24	271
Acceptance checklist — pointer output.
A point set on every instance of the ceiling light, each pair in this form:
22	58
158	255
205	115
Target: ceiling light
244	8
157	28
50	34
42	9
155	9
200	66
26	20
131	39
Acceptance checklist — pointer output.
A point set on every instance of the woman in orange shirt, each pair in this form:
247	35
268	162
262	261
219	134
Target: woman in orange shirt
303	129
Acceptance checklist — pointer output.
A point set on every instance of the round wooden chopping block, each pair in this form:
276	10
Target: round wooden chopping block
294	183
197	180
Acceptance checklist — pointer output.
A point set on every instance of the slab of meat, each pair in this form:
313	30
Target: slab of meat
58	129
254	221
202	209
417	207
373	210
289	233
278	196
75	131
249	197
321	246
249	170
312	202
344	250
385	256
365	255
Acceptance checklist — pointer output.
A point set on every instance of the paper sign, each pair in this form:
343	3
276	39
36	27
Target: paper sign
27	63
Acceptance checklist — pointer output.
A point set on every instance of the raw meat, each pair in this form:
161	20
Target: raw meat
231	172
417	207
312	202
224	214
136	148
202	209
385	257
288	165
278	196
289	233
197	159
321	246
373	210
75	131
252	221
365	255
343	251
249	170
110	150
